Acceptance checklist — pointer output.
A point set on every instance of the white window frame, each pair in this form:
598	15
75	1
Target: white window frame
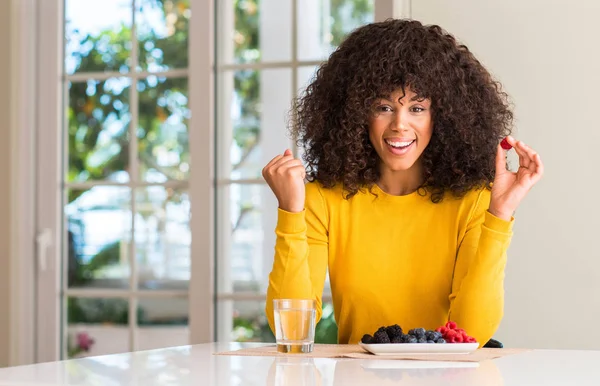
23	122
384	9
45	27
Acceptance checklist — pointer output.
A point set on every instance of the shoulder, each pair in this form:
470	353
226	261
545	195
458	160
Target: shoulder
475	203
316	191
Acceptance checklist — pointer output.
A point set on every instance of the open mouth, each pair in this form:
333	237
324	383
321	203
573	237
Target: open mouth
399	147
399	144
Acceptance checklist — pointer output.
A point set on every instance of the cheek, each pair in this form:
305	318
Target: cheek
425	131
376	130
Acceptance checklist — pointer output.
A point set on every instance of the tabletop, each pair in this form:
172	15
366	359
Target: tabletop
196	365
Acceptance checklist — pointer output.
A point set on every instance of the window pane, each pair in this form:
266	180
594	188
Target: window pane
172	311
305	76
106	311
162	28
253	110
98	123
253	30
323	24
245	321
246	241
85	340
162	238
98	35
99	232
162	132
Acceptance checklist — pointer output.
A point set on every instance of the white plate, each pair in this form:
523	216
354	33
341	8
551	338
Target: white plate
419	348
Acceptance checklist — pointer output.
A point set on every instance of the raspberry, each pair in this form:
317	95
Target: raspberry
505	145
381	337
442	329
459	338
451	333
451	325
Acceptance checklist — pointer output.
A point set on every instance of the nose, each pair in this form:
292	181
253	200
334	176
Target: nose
398	123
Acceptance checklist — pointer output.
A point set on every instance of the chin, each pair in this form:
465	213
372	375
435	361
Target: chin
400	166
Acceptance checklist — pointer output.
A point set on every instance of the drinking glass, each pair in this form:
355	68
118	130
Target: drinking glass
295	325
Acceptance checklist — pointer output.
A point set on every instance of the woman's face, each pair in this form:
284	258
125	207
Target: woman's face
400	129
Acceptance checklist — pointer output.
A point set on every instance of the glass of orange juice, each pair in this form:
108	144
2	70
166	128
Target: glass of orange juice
295	325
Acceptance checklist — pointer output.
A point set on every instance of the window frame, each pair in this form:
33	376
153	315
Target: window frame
45	137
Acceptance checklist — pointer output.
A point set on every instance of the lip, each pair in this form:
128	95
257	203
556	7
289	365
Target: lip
399	139
402	151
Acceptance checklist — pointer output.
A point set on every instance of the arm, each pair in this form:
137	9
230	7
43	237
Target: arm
477	298
301	253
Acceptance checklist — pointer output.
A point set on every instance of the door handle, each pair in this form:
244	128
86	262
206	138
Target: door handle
43	242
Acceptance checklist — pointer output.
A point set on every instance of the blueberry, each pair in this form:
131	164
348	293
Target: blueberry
441	340
419	332
422	340
411	339
433	335
430	341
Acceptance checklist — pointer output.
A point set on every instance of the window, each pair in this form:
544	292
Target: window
267	51
126	171
129	180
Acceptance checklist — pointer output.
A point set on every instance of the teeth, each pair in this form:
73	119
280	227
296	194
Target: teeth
398	144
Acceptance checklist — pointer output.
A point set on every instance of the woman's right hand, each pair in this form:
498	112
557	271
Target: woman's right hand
285	176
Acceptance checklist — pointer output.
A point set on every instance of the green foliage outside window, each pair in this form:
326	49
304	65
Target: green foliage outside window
99	115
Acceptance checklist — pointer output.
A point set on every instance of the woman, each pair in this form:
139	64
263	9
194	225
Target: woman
409	202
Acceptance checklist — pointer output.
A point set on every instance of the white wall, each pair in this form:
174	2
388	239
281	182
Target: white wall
547	54
5	175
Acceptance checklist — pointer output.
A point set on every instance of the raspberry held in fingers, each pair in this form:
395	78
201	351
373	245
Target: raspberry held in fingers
505	145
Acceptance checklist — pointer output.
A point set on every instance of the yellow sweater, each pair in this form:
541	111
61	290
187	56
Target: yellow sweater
394	259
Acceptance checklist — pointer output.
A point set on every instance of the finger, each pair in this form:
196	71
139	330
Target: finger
500	160
285	164
269	167
511	141
524	159
531	154
292	169
297	169
287	152
539	168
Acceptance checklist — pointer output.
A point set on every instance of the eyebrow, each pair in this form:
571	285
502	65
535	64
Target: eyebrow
414	98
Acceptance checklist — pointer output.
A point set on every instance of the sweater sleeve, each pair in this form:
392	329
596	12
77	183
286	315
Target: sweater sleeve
477	298
301	254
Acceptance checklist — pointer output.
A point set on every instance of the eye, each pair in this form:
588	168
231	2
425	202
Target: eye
384	108
417	109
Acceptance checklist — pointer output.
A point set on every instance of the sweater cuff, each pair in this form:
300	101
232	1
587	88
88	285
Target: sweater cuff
288	222
497	224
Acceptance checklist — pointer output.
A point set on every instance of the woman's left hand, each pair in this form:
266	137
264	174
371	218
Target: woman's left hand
511	187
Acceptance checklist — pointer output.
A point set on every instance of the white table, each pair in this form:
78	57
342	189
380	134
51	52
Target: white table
195	365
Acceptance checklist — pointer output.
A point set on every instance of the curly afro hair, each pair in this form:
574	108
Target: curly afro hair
470	112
